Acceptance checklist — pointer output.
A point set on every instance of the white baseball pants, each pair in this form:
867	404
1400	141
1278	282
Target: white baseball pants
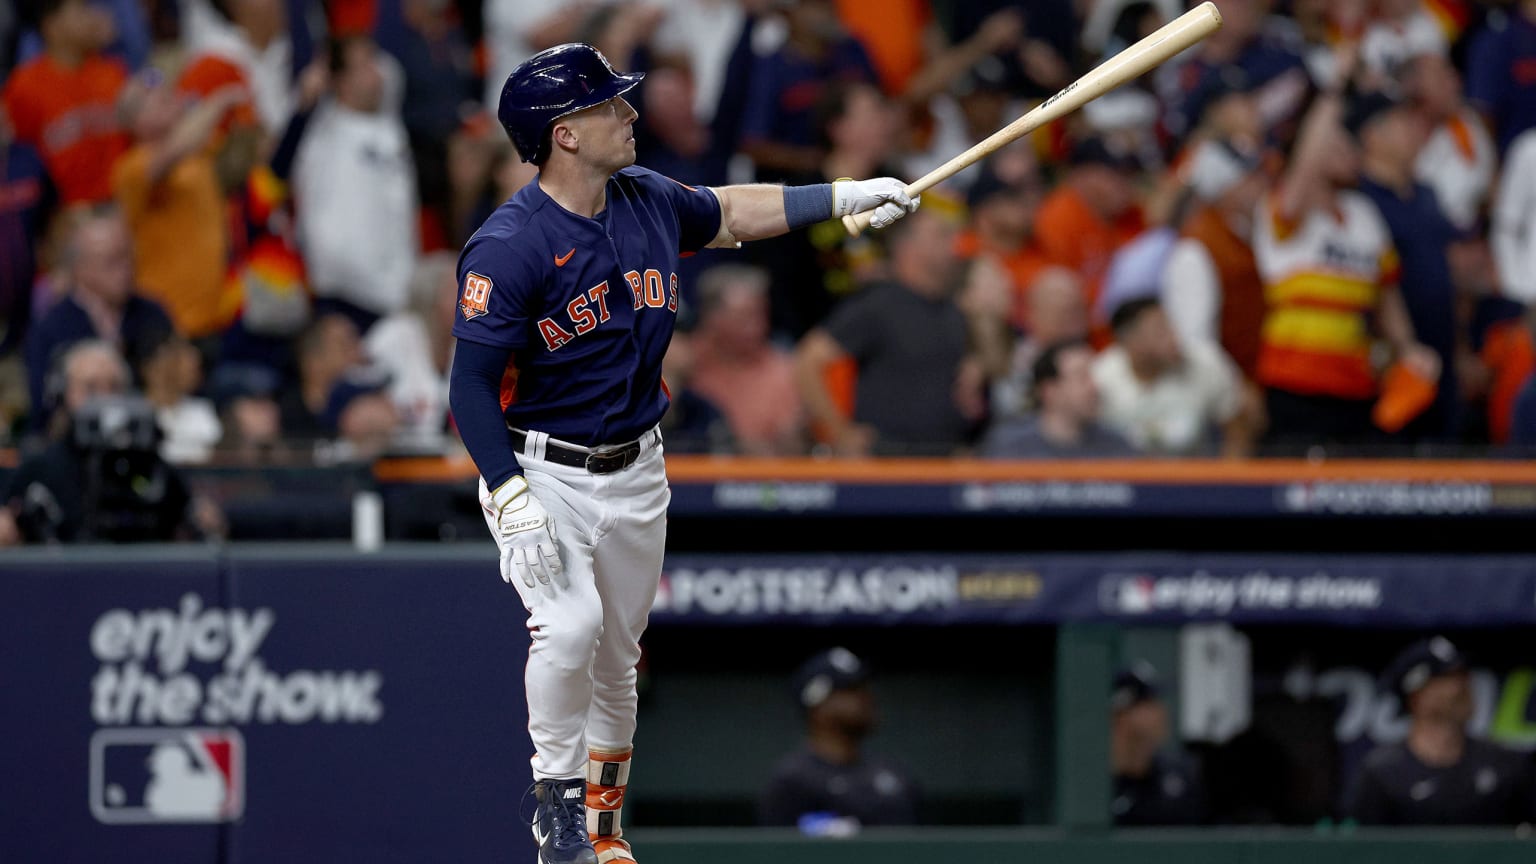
611	530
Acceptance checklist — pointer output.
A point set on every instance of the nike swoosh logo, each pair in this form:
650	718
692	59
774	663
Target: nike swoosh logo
539	836
561	259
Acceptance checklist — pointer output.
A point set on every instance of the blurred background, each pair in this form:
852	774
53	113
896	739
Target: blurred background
1164	476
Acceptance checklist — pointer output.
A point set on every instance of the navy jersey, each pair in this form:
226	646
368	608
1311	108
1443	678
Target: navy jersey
586	305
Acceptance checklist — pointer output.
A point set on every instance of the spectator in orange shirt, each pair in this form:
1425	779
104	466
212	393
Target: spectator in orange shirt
751	380
1092	213
1002	222
169	192
63	102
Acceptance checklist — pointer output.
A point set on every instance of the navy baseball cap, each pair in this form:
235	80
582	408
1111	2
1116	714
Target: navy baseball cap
818	677
1367	107
1133	685
356	384
1418	663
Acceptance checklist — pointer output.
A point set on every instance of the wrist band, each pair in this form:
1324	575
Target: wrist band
807	205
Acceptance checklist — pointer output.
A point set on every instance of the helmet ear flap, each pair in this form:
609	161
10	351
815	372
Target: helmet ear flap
546	144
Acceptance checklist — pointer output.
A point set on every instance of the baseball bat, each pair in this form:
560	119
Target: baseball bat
1168	40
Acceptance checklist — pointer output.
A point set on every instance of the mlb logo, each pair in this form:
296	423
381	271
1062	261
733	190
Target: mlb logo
1127	595
143	776
477	292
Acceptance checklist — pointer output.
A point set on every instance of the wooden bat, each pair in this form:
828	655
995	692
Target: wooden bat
1168	40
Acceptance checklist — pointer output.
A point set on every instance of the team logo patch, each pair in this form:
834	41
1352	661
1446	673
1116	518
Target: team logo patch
141	776
477	290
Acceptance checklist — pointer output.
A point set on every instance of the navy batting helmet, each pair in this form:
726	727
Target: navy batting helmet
552	84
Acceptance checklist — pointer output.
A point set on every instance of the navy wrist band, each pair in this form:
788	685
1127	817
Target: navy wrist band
807	205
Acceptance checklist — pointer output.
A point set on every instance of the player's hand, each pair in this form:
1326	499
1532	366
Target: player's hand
528	537
887	196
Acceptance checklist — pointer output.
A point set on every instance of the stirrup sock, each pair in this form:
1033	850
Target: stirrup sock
607	778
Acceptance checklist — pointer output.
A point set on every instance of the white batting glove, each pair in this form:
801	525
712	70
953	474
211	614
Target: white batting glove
887	196
528	536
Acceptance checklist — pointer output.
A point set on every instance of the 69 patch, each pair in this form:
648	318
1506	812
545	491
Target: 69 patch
477	290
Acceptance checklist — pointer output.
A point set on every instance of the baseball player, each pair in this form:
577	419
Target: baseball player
569	298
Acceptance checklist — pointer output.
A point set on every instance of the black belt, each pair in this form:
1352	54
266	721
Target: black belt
612	459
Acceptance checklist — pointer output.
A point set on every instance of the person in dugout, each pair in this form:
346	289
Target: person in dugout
1439	774
1152	786
832	785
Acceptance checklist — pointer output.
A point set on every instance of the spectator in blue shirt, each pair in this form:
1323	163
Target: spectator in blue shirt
1501	71
98	257
779	126
1391	135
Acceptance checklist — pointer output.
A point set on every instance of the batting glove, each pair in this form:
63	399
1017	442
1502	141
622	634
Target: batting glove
887	196
528	536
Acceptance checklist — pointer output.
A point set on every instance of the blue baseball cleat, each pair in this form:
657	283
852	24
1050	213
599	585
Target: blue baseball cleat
560	822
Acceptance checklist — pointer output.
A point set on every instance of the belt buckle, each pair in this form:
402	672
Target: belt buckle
625	456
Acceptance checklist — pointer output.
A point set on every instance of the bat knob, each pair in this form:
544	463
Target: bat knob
854	226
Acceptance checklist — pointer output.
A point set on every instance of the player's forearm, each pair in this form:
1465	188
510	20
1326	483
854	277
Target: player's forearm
755	211
474	396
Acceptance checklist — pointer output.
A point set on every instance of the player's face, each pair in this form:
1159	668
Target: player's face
1447	698
1142	729
850	710
606	134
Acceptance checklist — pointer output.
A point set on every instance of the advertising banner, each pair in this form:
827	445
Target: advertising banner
262	708
1301	498
93	771
1341	590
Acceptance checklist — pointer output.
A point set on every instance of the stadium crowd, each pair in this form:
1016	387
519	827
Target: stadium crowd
1317	228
